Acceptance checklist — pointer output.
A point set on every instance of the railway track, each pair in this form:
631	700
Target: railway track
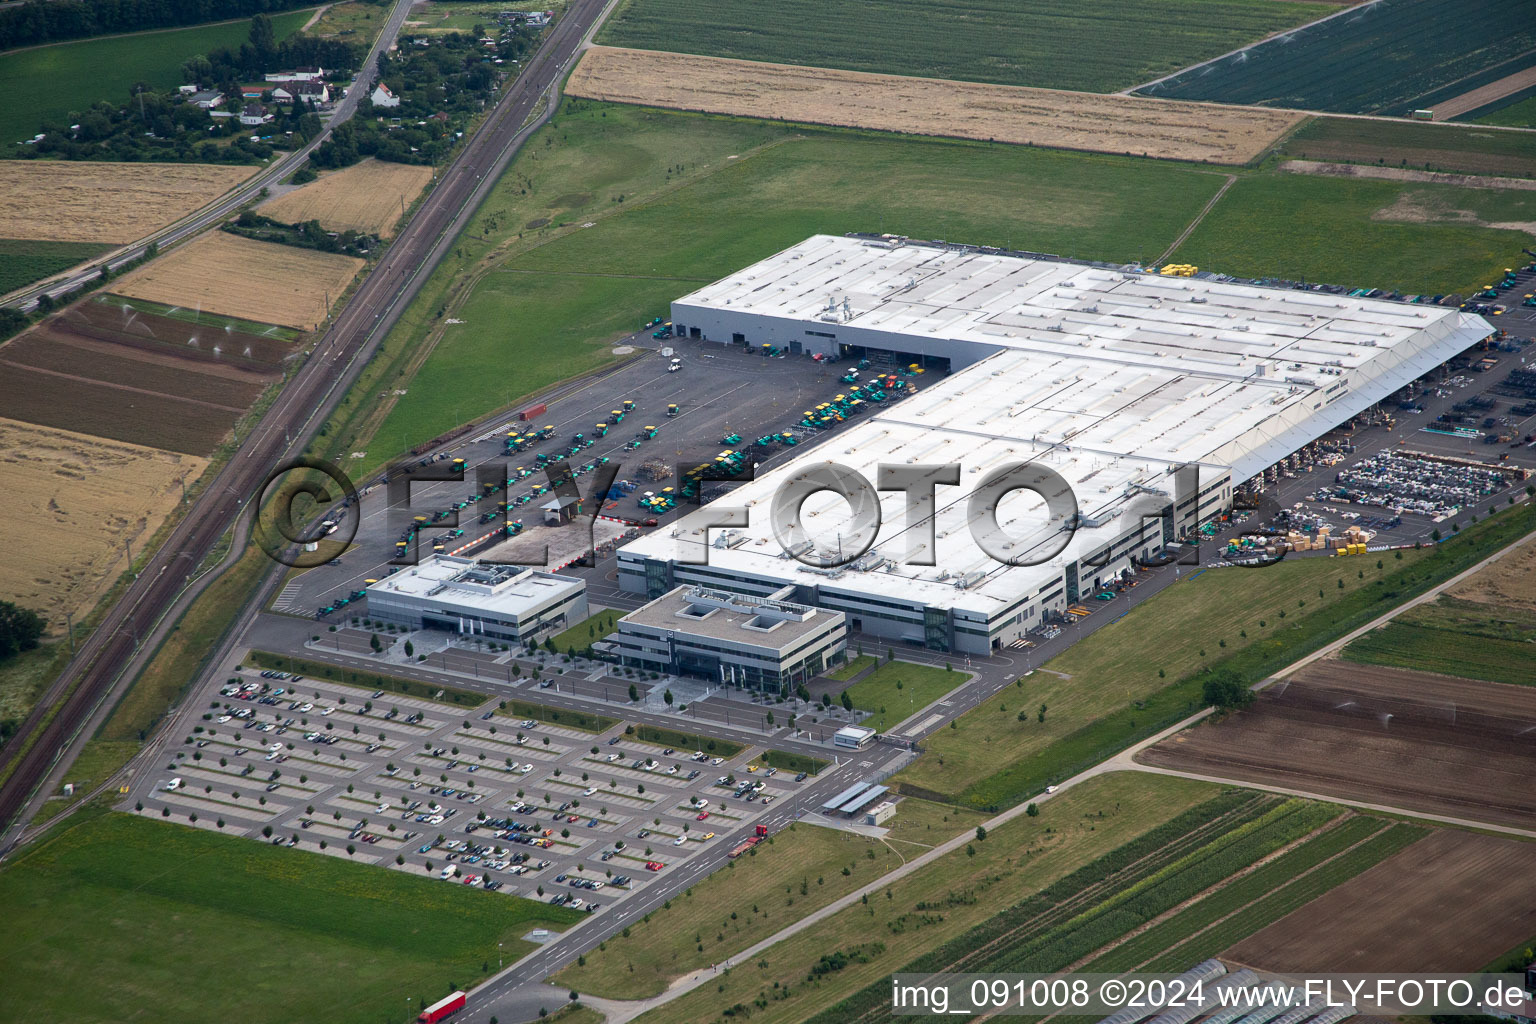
98	669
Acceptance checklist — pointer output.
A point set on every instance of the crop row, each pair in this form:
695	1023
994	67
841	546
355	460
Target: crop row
999	41
1141	903
1382	60
1288	898
1146	853
25	261
1234	896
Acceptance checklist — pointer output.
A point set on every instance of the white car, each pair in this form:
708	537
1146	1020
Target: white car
448	871
223	719
526	769
589	791
717	761
612	758
306	706
679	841
672	770
381	808
326	712
276	746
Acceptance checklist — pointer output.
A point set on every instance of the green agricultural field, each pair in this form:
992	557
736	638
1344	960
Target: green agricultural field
293	935
1005	41
899	689
795	872
1456	638
1117	668
1390	58
1379	234
49	82
945	899
1414	146
1516	115
23	261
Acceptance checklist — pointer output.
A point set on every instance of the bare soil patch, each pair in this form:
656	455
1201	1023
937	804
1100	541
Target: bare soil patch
1506	583
1404	174
925	106
84	201
369	197
1451	902
260	281
72	501
1382	735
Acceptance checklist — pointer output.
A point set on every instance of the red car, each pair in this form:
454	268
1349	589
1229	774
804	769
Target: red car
573	819
654	865
702	816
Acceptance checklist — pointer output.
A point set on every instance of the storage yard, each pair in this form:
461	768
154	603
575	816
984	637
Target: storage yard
1392	736
73	502
368	197
922	106
260	281
1451	893
67	201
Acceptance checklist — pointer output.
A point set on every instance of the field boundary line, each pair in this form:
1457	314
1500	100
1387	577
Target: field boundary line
143	32
1190	229
1260	42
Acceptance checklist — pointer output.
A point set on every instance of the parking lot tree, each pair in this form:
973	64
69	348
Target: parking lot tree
399	859
165	812
640	788
848	701
519	739
223	762
826	700
416	772
373	641
310	809
634	692
410	649
647	851
557	773
594	750
565	833
546	741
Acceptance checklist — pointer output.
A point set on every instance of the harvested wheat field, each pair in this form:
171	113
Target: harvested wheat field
81	201
926	106
368	197
72	501
260	281
1452	902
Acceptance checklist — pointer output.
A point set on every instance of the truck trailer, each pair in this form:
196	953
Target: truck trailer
442	1009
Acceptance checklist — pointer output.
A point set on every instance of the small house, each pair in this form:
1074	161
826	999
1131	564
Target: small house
254	114
382	97
206	98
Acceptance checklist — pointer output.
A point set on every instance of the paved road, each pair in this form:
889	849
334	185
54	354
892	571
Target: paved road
103	660
195	223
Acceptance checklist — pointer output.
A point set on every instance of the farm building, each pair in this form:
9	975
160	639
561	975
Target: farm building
505	602
758	642
1149	398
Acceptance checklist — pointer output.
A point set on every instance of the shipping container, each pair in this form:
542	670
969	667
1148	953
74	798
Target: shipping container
533	412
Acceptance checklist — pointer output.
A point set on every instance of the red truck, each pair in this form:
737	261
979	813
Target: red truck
442	1009
758	835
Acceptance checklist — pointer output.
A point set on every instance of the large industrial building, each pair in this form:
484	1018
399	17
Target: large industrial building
1150	396
503	602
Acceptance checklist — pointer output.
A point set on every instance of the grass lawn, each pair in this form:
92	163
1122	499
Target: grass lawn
1381	234
1007	41
942	900
795	872
797	763
899	689
112	911
919	822
350	22
586	721
1119	664
853	668
685	741
23	261
49	82
678	200
23	677
1416	146
587	632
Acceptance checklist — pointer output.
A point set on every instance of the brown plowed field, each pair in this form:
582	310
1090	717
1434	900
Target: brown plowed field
930	106
143	379
1506	584
1381	735
101	202
1451	902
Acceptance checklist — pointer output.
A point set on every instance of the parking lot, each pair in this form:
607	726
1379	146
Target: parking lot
719	392
473	796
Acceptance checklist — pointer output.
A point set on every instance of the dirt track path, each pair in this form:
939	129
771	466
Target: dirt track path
1231	178
1469	101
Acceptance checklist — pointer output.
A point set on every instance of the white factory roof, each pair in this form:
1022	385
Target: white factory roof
1109	377
465	583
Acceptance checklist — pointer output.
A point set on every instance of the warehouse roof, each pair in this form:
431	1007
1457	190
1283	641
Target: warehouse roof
465	582
722	615
1108	377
